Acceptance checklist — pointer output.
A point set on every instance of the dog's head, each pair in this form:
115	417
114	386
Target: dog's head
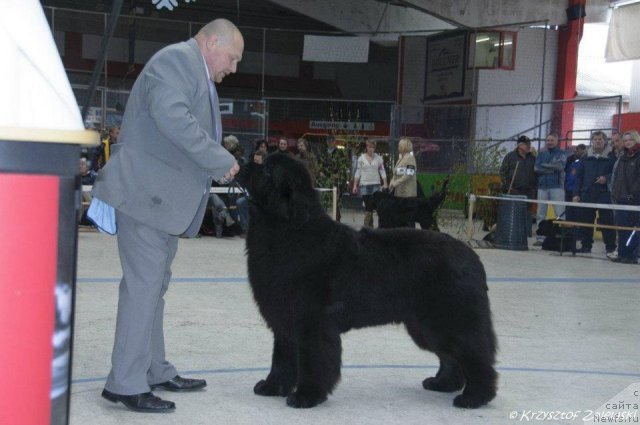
281	187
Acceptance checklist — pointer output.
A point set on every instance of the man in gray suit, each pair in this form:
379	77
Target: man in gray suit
158	181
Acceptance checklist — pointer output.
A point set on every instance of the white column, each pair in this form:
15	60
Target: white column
634	95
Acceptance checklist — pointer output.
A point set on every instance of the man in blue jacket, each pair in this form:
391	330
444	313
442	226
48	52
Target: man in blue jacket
549	168
592	180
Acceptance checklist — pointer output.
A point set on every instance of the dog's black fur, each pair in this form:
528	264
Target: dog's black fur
313	279
397	212
553	237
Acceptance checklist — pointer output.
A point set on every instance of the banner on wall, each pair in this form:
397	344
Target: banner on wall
622	41
445	66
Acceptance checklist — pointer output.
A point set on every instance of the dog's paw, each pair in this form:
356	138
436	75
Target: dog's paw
271	388
442	385
304	401
470	401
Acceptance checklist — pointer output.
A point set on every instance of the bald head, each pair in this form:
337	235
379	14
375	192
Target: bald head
223	28
221	45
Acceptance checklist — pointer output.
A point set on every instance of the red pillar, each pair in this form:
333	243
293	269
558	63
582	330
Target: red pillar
567	69
28	256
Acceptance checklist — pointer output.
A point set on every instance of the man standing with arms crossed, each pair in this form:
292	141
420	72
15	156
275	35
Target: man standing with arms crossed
158	181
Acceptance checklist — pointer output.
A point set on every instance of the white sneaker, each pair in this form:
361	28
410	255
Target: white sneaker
612	255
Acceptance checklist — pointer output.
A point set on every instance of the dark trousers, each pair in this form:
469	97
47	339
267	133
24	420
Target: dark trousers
570	213
605	216
629	219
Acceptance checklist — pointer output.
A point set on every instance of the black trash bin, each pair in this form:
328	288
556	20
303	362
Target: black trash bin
39	201
513	224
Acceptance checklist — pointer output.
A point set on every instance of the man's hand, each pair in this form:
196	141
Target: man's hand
230	174
576	198
601	180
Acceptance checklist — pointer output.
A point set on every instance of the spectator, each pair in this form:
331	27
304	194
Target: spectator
261	145
87	175
87	178
617	151
334	171
549	168
626	191
242	202
232	144
516	172
517	175
220	213
369	172
571	171
617	144
102	153
283	147
308	158
591	186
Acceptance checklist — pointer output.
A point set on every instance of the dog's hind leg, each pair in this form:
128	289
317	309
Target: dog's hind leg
449	377
282	377
476	359
319	361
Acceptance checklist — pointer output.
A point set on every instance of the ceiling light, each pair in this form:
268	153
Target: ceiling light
618	3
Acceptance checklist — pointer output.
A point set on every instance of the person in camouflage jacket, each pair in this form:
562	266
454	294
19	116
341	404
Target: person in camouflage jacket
334	170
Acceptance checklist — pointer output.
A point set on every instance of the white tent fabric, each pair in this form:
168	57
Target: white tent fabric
35	90
623	42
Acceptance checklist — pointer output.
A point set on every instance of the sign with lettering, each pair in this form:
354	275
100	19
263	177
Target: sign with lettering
445	66
342	125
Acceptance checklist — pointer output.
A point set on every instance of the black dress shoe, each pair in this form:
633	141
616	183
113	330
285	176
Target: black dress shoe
178	383
144	402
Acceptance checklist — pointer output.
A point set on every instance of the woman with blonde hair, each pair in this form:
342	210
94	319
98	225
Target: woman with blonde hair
404	183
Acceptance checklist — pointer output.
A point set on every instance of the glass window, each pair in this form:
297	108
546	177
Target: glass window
485	49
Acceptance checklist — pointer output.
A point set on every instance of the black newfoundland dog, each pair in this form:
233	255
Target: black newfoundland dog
313	279
398	212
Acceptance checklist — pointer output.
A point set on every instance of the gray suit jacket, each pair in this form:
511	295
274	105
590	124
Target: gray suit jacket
167	154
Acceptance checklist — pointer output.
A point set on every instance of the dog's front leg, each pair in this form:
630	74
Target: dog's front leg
282	376
319	361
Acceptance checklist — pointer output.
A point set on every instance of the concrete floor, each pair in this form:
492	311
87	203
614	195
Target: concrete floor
567	327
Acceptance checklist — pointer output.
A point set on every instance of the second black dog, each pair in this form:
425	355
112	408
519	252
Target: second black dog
397	212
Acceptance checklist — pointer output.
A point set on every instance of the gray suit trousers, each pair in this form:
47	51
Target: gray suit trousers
138	358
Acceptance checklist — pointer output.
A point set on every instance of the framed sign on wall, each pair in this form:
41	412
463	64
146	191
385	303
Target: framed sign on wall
446	66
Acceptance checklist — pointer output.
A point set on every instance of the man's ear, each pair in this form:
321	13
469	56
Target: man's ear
212	41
